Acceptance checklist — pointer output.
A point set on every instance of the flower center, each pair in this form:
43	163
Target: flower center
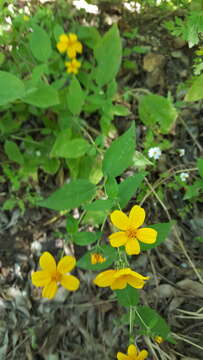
131	233
56	277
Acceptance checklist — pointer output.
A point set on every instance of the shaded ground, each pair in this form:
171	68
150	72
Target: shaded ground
88	322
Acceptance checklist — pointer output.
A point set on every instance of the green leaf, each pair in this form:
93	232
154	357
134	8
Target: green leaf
75	97
111	188
89	35
100	205
58	30
108	252
140	161
155	109
11	88
163	230
155	324
50	166
74	148
195	93
193	190
119	156
70	196
121	110
108	56
128	296
199	238
40	44
43	96
84	238
128	188
13	152
71	224
94	217
200	166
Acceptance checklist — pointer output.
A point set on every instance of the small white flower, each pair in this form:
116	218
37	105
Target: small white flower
38	153
154	153
184	176
181	152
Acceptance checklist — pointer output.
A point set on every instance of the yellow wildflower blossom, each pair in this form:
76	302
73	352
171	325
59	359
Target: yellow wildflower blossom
118	279
52	274
159	339
26	18
73	66
132	354
70	44
97	258
131	234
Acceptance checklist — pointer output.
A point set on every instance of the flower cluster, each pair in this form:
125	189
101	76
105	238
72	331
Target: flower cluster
117	279
69	44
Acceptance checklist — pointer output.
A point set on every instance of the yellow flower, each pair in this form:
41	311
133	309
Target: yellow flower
26	18
118	279
70	44
97	258
52	274
131	234
73	66
158	339
74	46
133	354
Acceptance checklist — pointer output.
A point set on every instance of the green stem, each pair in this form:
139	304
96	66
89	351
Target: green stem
131	339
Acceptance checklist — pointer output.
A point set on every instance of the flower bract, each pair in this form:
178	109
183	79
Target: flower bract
132	354
73	66
131	234
119	279
97	258
52	274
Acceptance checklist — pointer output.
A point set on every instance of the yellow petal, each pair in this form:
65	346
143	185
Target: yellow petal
147	235
136	216
70	282
121	356
40	278
50	290
128	271
71	52
120	220
73	37
47	262
78	47
61	46
66	264
132	350
135	282
118	239
125	271
142	355
105	278
63	38
119	283
132	247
